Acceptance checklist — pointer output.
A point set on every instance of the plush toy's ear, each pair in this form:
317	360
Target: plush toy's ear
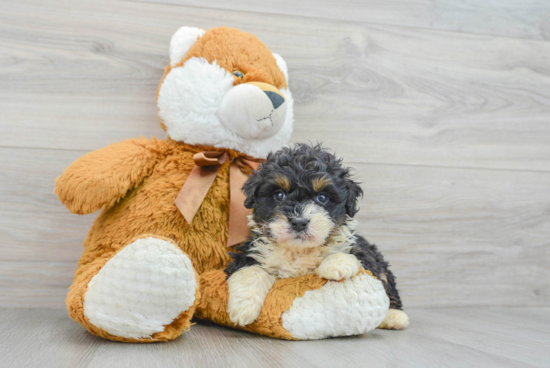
282	65
181	42
354	193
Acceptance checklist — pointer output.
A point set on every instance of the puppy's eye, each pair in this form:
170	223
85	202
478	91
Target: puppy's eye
238	74
279	195
322	198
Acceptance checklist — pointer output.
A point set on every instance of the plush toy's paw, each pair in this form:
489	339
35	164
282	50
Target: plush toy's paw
347	308
339	266
141	290
248	288
395	320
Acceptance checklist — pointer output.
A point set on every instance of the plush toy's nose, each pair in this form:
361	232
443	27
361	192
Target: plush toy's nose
275	96
276	99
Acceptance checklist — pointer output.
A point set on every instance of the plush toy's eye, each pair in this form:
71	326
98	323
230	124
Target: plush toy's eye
279	195
238	74
322	198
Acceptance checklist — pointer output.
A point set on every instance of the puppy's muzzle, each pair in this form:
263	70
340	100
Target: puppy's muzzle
253	110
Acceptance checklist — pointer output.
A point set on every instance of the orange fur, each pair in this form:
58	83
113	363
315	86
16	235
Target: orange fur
148	207
235	50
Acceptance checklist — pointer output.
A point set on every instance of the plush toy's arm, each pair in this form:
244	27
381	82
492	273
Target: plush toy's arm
302	308
100	178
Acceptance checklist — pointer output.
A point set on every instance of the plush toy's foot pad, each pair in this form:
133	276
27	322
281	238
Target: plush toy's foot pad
395	320
305	307
351	307
141	290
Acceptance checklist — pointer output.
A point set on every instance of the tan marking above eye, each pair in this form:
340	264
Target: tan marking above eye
319	184
283	182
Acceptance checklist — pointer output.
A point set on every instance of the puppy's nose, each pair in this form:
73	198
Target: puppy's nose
299	223
276	99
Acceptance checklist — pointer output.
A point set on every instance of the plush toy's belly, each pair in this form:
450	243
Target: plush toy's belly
149	210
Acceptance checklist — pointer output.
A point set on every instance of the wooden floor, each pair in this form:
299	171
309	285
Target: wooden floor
442	107
465	337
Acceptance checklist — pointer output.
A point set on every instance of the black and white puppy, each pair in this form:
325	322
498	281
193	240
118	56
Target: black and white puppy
303	203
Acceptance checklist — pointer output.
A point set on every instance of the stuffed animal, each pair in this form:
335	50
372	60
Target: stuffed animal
172	209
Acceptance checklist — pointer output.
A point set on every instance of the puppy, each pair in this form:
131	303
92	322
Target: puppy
303	204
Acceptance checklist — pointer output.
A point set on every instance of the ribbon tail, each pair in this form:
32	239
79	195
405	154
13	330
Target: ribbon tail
195	189
254	164
238	213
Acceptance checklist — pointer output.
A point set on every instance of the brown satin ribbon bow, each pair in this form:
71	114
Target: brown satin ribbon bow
207	165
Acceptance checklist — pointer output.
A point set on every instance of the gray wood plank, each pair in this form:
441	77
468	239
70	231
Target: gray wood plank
436	337
511	18
85	75
31	284
455	237
478	328
459	237
34	226
43	338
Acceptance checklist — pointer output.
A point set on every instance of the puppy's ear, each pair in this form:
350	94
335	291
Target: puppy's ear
354	193
250	189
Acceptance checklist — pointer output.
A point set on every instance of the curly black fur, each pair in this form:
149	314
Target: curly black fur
241	258
301	164
372	260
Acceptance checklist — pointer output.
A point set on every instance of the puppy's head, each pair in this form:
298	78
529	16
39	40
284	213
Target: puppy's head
301	196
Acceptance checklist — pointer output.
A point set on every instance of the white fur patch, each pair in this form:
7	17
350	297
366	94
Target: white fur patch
339	266
292	260
395	320
319	228
143	288
188	102
248	288
182	41
352	307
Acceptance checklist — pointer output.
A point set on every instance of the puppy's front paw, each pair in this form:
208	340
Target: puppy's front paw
243	312
339	266
248	288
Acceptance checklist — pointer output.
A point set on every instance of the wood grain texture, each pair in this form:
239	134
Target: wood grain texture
86	73
455	237
511	18
30	284
493	337
34	226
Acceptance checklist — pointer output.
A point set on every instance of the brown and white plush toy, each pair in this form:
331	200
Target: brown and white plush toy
172	209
